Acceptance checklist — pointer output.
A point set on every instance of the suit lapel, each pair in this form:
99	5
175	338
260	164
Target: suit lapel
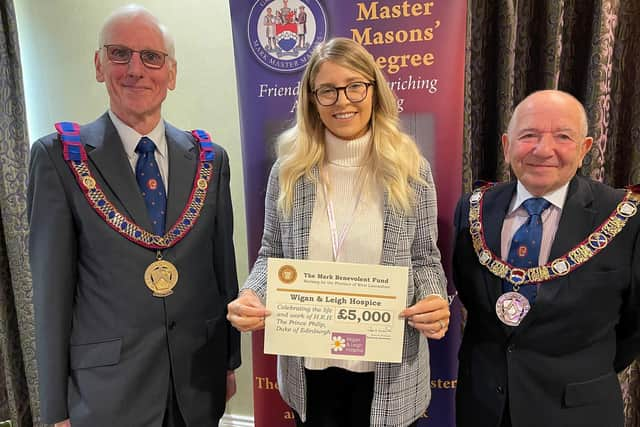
302	213
106	153
494	210
570	232
393	227
182	171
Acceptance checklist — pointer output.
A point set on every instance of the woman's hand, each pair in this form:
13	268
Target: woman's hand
247	313
430	316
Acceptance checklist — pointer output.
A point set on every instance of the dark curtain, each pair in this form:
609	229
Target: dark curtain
18	382
588	48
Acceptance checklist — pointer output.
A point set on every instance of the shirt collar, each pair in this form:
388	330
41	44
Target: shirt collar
130	137
556	197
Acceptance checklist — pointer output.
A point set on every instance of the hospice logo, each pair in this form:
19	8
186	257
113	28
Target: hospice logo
283	33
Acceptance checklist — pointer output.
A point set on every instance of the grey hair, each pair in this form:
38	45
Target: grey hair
131	11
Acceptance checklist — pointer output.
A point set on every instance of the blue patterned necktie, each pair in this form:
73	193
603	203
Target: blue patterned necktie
150	184
525	245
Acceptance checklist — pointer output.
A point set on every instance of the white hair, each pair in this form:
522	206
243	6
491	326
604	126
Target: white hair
129	12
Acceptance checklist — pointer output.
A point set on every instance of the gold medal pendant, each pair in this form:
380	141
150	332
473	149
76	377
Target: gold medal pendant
161	277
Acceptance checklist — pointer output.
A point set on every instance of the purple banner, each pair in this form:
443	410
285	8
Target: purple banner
420	47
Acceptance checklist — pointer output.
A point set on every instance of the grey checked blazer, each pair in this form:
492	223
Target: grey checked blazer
402	390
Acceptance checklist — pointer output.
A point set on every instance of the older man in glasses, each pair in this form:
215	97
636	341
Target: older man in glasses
131	252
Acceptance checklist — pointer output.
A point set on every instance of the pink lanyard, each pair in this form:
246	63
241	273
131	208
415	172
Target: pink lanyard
337	241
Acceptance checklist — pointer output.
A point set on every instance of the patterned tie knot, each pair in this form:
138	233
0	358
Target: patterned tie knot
145	145
535	205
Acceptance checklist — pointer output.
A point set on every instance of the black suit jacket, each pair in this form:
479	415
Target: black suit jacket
105	345
558	367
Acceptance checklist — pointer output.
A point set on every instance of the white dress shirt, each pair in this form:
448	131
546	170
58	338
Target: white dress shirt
517	215
130	138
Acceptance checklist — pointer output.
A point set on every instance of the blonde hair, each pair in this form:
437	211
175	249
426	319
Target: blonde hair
394	160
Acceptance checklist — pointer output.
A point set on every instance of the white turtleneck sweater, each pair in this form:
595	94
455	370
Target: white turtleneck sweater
344	167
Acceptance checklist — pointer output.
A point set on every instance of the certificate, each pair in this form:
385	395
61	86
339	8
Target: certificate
335	310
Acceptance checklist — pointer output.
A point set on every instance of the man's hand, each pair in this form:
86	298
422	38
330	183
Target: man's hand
429	315
247	313
231	385
65	423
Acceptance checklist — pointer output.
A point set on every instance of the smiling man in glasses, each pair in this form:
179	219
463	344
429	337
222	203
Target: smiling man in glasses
131	252
137	64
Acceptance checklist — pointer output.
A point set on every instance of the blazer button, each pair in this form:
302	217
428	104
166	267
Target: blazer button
499	389
172	325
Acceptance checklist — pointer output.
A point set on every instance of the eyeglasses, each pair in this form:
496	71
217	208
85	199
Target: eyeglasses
355	92
119	54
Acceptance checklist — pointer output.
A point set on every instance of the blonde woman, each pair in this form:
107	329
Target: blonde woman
349	186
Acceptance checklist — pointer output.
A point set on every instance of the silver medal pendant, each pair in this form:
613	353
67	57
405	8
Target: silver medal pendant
511	308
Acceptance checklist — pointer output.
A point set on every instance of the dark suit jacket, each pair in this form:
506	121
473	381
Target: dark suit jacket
558	368
105	345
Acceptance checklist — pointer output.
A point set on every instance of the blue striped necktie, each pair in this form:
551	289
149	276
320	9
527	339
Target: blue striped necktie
150	184
525	245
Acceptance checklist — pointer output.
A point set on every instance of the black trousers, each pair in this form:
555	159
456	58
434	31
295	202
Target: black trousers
338	398
506	416
172	415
